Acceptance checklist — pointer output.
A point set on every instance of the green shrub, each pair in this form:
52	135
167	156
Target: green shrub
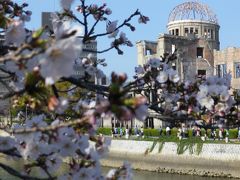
203	131
163	132
151	132
209	133
233	133
217	133
174	132
190	133
104	131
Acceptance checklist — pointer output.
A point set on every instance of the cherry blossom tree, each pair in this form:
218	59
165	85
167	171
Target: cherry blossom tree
38	71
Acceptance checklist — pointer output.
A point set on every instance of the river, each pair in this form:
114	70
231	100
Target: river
138	175
146	175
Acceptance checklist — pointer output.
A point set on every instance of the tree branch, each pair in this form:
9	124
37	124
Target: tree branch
15	173
90	86
120	26
99	52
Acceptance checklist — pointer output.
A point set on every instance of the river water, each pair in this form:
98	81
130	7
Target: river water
138	175
146	175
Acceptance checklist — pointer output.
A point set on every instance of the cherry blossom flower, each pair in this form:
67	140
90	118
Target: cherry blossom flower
124	40
207	101
224	96
155	63
203	90
59	59
162	77
143	19
111	28
34	149
140	83
62	27
17	85
6	143
141	112
111	174
220	107
84	174
67	132
66	4
91	70
83	142
139	70
102	145
25	17
173	75
53	162
16	33
36	121
108	11
66	147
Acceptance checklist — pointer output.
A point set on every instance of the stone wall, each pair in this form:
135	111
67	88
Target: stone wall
209	151
214	159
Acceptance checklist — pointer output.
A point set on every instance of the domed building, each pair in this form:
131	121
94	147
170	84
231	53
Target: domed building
193	31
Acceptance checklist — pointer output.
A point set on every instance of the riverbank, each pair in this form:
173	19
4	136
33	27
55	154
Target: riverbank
215	160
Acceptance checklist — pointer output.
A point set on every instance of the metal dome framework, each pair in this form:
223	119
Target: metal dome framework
193	10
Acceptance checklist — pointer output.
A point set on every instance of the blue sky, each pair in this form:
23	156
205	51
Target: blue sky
228	14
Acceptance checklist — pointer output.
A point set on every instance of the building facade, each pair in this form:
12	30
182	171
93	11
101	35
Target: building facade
193	31
228	61
195	38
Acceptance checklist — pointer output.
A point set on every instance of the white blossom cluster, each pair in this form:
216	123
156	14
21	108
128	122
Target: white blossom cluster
50	149
36	62
215	88
183	98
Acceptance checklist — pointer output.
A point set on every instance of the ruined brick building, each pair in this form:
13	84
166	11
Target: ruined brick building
193	30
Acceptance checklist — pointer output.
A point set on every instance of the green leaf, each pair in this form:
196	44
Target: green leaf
38	33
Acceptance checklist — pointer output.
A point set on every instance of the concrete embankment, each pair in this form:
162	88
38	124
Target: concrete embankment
222	160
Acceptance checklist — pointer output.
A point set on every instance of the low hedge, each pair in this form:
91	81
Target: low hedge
104	131
233	133
151	132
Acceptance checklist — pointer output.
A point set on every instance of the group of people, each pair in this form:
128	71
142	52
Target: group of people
182	132
120	132
221	134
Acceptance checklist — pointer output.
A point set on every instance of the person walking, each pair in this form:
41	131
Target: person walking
141	132
127	132
220	134
168	130
179	134
239	133
227	136
115	132
160	131
136	130
198	132
120	132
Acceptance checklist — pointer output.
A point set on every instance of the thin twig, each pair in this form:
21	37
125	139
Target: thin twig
99	52
117	28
